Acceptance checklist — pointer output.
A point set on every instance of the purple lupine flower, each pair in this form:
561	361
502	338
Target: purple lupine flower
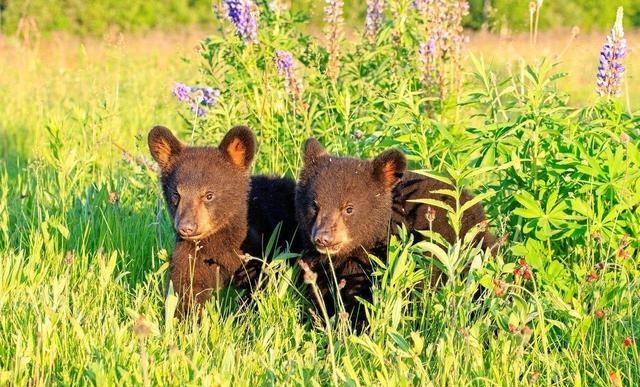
431	47
244	15
181	91
285	65
210	96
198	98
198	110
372	23
427	54
610	68
284	62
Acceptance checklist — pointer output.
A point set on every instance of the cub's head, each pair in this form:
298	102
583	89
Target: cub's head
342	203
205	187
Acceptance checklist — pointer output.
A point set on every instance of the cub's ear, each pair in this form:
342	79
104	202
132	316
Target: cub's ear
164	147
239	146
389	167
313	150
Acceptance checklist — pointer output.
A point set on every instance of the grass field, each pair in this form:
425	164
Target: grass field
84	234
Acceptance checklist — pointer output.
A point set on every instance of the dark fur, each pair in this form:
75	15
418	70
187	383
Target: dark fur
377	192
214	229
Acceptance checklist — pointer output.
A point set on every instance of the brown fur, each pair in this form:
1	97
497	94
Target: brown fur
212	199
377	194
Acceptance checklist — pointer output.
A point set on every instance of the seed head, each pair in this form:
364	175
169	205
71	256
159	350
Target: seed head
592	277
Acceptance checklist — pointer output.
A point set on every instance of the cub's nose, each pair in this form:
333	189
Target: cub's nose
187	229
323	240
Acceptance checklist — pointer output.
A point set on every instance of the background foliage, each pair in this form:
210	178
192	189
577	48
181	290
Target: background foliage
96	17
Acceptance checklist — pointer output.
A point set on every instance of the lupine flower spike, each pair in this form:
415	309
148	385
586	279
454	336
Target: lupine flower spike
244	15
333	20
610	68
375	8
441	54
286	68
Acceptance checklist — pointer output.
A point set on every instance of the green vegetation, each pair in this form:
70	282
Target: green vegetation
93	17
84	233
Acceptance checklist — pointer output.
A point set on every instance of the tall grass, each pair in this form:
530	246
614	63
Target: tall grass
85	238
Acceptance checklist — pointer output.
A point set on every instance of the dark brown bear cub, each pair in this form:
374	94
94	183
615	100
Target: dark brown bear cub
211	199
346	208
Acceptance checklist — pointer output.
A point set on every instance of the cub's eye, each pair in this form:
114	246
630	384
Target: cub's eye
209	196
175	199
349	210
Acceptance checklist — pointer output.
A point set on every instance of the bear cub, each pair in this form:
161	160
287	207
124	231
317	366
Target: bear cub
346	208
212	201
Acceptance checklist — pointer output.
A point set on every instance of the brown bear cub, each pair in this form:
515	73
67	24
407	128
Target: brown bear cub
346	208
212	199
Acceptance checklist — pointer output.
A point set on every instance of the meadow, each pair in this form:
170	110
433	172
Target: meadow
85	237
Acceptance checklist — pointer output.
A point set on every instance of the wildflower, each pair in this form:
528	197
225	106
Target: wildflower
372	23
526	333
498	287
524	270
68	257
303	265
623	253
285	65
309	276
181	91
503	239
600	314
284	62
244	15
141	327
427	54
610	68
441	55
198	98
113	197
615	380
624	138
592	277
627	342
333	20
624	241
358	134
210	96
430	215
342	284
198	110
